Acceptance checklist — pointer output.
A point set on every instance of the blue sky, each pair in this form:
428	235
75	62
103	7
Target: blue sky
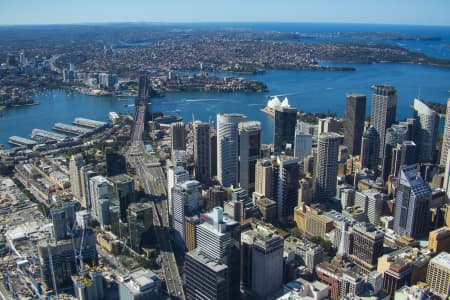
423	12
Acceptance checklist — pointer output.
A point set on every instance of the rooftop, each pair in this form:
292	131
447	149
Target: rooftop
216	266
442	259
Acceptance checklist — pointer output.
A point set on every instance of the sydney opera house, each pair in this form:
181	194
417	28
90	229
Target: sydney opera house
275	103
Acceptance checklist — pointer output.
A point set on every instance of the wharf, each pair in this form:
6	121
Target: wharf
89	123
48	135
21	141
77	130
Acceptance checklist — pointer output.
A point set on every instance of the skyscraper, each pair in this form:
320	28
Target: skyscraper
384	106
395	135
75	164
99	188
404	154
428	122
438	275
214	235
285	123
328	124
175	175
412	204
205	278
139	223
115	163
185	202
177	136
367	245
264	178
267	263
326	166
302	145
355	115
58	258
227	148
122	193
86	173
249	153
446	138
287	187
202	151
369	149
63	219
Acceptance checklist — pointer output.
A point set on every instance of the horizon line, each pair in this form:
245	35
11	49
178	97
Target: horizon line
213	22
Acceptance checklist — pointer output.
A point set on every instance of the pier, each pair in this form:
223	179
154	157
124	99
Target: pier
89	123
73	129
47	135
21	141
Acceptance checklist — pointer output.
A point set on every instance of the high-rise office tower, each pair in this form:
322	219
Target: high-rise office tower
372	202
412	204
75	164
287	187
202	151
355	114
58	258
264	178
427	131
215	196
122	193
404	154
139	223
267	263
328	124
369	149
206	279
185	202
411	126
326	166
177	136
302	145
446	138
227	148
175	175
99	188
216	239
86	173
438	274
249	153
63	219
384	106
285	123
214	235
395	135
115	164
367	244
447	178
213	154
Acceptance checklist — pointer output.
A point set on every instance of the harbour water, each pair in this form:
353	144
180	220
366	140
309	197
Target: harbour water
310	91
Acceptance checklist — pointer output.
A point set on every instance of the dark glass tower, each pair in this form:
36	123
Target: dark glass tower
202	150
285	122
355	114
369	149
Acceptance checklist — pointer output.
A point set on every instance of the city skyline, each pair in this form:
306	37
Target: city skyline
24	12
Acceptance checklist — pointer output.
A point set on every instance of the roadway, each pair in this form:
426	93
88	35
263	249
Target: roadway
154	184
